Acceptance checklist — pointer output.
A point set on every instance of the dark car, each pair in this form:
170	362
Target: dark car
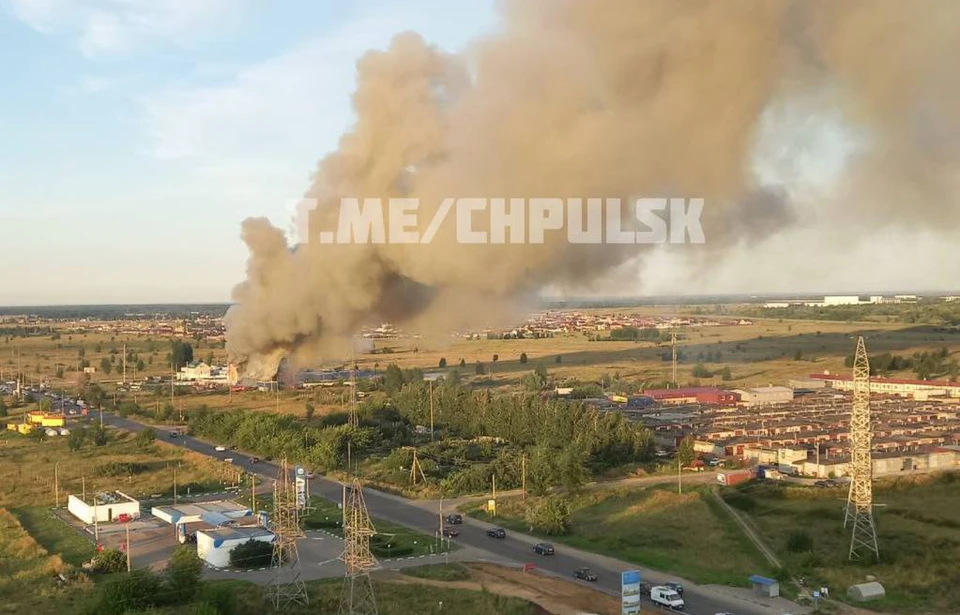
496	532
450	532
677	587
543	548
254	459
585	574
173	434
454	519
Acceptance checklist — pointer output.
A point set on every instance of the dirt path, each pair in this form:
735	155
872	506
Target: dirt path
555	596
750	533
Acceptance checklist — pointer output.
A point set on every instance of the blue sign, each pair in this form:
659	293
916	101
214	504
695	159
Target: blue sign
630	592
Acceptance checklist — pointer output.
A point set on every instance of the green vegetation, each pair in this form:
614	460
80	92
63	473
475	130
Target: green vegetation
439	572
654	526
917	530
251	554
54	535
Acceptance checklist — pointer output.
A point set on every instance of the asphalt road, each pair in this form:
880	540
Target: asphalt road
516	546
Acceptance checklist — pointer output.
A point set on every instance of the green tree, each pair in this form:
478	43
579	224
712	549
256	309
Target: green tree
480	369
798	355
109	560
181	353
496	358
140	365
125	593
183	572
105	365
700	371
523	357
443	363
309	411
3	408
799	541
463	362
558	359
77	438
100	436
393	379
685	452
541	470
573	471
725	374
551	516
251	554
145	438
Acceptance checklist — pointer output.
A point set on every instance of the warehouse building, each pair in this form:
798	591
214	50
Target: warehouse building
692	395
918	389
214	546
764	396
103	507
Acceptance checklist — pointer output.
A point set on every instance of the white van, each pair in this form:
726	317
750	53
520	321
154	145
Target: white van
666	597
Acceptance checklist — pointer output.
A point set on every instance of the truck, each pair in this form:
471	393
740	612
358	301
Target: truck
666	597
734	478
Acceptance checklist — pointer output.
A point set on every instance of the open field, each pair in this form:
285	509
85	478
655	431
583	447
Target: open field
918	533
653	526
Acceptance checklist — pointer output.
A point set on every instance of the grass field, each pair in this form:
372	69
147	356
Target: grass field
918	532
654	526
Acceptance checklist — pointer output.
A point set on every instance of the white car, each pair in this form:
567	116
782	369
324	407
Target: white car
220	449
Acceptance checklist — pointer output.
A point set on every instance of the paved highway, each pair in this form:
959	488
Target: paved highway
700	600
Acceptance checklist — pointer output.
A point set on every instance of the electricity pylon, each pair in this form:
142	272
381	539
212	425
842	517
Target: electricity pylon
358	597
286	587
863	541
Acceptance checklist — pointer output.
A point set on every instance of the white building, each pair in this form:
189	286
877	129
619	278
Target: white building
842	300
214	546
201	372
103	507
904	387
765	396
212	512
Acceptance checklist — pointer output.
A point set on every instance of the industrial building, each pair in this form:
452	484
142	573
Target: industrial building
918	389
103	507
693	395
214	546
764	396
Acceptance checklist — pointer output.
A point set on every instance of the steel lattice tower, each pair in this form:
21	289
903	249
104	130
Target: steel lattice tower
863	541
358	597
287	587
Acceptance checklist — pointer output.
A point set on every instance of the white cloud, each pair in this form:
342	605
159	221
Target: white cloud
110	26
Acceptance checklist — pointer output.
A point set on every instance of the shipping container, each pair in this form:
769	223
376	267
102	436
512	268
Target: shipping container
734	478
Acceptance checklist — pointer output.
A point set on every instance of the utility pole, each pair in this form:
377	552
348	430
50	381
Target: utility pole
174	485
56	483
253	492
523	474
127	527
431	410
673	345
679	476
415	469
96	520
358	597
124	381
863	540
83	481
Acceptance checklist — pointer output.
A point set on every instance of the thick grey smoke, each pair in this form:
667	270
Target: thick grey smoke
608	98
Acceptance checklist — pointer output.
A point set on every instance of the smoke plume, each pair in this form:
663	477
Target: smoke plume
609	98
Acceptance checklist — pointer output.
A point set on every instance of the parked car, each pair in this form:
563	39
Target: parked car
173	434
496	532
675	586
543	548
220	449
585	574
123	518
454	519
450	532
229	459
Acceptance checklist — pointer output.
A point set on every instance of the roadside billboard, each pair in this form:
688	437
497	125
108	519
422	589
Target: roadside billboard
301	485
630	592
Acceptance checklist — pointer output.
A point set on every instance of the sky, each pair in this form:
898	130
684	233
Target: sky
136	135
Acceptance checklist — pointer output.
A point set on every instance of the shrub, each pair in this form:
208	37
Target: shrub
109	560
125	593
550	516
251	554
182	574
799	541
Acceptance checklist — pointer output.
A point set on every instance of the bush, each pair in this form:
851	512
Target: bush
550	516
799	541
251	554
125	593
182	575
120	468
109	560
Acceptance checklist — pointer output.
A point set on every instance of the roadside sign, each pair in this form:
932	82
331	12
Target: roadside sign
630	592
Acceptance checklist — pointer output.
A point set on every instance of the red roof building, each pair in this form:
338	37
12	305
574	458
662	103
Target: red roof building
691	395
